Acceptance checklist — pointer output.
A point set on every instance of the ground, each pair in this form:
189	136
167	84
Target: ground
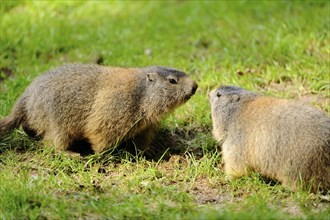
277	48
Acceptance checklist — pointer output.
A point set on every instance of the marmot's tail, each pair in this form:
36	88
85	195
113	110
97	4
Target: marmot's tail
14	120
7	124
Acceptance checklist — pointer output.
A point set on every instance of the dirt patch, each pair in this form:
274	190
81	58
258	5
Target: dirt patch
202	189
318	99
292	208
300	94
205	193
5	72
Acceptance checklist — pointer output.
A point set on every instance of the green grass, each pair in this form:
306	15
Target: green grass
279	48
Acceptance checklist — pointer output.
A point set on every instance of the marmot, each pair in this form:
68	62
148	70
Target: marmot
281	139
104	105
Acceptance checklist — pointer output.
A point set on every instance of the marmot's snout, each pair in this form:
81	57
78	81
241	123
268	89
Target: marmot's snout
194	88
191	92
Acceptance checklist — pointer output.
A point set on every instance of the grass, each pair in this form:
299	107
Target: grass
279	48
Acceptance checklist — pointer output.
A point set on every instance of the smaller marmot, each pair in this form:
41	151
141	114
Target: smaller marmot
281	139
103	105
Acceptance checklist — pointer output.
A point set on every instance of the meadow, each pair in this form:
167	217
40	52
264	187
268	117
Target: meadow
277	48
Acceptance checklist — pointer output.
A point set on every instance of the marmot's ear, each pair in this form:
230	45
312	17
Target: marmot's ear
234	98
151	76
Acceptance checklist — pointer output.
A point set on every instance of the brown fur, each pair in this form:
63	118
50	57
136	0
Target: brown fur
104	105
281	139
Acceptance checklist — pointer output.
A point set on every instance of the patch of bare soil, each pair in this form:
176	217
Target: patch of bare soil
205	193
202	189
301	94
5	72
292	208
316	205
318	99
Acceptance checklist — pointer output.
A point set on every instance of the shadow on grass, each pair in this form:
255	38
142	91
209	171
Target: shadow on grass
18	141
165	143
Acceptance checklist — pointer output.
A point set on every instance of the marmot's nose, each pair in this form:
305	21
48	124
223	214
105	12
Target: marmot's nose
195	86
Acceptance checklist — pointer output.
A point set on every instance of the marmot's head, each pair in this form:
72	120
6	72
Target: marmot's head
226	101
167	88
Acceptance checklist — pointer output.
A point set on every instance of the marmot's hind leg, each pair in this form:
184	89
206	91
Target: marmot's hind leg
33	134
61	141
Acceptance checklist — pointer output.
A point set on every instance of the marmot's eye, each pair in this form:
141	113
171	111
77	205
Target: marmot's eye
173	81
218	94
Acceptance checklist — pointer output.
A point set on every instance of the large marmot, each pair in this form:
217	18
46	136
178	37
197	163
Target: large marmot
104	105
280	139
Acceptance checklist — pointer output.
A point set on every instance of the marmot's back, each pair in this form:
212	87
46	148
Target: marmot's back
286	132
70	89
